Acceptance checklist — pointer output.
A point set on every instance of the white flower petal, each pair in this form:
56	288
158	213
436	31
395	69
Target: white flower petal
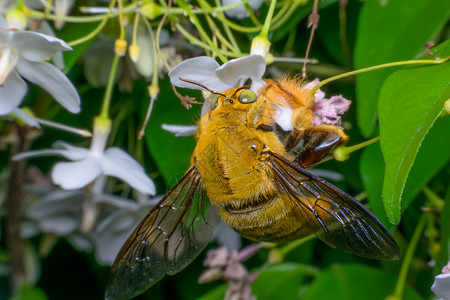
123	158
116	201
199	69
26	118
75	175
60	225
57	58
72	154
108	246
120	220
11	93
257	84
36	46
80	241
53	81
251	66
113	232
119	164
441	286
180	130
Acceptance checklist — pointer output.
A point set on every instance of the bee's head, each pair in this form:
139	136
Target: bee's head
235	99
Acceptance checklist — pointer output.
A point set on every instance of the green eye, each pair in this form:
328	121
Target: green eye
247	96
214	102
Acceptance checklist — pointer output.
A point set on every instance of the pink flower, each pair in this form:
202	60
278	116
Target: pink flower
327	111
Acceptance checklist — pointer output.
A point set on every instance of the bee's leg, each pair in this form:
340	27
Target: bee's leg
314	143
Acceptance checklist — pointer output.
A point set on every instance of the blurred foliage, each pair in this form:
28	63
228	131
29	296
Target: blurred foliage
403	105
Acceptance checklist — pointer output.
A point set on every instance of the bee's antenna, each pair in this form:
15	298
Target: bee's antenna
201	85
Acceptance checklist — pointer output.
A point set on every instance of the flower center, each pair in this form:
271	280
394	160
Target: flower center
8	59
102	128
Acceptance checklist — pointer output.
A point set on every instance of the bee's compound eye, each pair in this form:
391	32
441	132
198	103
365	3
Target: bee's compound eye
247	96
214	102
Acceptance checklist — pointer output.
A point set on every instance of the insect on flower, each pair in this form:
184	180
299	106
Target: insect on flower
249	171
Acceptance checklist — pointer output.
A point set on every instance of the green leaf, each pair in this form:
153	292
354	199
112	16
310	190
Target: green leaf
29	292
282	281
355	282
433	154
372	172
391	31
217	293
410	101
171	154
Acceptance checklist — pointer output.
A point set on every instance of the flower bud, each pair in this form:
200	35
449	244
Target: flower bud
151	10
341	153
153	91
447	106
120	47
134	51
275	256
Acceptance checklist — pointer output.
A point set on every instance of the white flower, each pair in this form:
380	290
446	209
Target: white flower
208	72
441	285
88	164
180	130
240	11
21	55
64	214
113	230
327	111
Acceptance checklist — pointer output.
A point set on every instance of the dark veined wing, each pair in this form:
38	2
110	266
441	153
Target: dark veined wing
172	234
336	218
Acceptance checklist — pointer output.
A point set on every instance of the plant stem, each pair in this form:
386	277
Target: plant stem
387	65
109	87
200	29
400	286
96	30
294	244
266	27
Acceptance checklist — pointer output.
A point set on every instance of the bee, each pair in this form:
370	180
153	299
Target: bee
249	171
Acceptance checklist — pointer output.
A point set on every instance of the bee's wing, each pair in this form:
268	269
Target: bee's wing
336	218
172	234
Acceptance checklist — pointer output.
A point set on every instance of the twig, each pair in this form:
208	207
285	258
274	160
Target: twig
15	244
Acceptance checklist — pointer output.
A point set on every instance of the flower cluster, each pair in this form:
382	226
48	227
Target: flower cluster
228	267
21	55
